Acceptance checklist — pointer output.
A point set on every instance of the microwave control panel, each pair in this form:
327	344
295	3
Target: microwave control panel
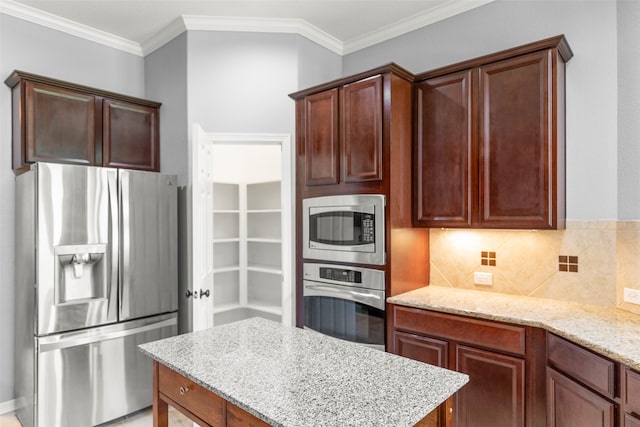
368	228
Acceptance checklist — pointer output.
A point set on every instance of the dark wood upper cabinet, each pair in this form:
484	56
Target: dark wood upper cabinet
130	135
321	138
343	133
362	130
57	121
444	150
489	140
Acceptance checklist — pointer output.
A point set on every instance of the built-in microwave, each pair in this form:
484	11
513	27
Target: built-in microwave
346	228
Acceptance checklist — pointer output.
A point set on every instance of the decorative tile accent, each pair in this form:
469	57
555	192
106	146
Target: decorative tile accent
488	258
568	263
608	252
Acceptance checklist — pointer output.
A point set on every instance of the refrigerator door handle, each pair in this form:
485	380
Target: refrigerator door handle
112	179
83	339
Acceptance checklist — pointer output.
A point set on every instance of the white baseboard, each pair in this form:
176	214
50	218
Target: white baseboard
8	407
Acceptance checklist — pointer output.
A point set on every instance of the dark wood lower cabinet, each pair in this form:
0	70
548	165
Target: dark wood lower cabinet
631	421
519	376
494	396
573	405
631	401
505	364
434	352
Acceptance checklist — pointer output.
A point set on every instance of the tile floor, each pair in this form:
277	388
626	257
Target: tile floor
140	419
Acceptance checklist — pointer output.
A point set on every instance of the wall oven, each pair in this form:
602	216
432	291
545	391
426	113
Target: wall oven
345	302
346	228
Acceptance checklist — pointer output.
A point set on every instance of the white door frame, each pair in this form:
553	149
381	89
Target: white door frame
200	177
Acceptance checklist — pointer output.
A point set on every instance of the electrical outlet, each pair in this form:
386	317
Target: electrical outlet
480	278
632	296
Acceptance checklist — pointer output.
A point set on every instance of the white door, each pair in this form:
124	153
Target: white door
202	230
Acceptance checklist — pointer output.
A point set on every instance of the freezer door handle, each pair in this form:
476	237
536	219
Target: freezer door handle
58	343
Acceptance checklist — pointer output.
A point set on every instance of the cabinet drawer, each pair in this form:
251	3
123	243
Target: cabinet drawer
194	398
632	392
496	336
583	365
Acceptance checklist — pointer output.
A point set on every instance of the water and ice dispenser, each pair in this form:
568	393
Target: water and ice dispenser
81	273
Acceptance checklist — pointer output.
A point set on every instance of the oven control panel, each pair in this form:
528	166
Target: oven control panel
344	275
341	275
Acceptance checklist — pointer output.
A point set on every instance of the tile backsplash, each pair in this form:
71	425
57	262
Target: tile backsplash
589	262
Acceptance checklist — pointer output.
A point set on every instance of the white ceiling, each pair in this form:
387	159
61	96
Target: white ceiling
340	25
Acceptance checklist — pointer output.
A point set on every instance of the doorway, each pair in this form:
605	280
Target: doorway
242	228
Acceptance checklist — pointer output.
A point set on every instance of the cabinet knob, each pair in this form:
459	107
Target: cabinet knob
205	293
188	294
183	390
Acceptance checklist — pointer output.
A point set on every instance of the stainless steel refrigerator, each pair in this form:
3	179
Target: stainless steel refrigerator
96	275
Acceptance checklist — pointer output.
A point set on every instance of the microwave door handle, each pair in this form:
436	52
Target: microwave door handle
350	208
365	298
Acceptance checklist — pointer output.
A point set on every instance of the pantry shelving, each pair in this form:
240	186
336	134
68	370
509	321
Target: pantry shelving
247	251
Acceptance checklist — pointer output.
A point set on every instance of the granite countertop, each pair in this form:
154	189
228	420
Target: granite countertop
288	376
609	331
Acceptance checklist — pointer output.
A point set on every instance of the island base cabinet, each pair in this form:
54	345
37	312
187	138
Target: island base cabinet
200	405
572	405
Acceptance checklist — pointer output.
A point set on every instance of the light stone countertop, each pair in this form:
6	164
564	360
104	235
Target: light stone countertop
288	376
609	331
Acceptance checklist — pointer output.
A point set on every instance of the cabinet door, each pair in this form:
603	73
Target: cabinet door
60	125
428	350
515	142
494	396
631	421
321	138
130	136
571	405
444	157
362	131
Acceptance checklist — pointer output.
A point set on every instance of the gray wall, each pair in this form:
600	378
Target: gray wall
238	82
590	28
166	82
316	64
628	109
36	49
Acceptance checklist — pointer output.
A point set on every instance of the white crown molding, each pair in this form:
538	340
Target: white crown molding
27	13
412	23
164	36
264	25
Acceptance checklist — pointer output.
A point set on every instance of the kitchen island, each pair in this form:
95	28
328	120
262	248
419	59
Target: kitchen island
284	376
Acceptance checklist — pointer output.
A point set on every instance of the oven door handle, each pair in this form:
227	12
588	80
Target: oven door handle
372	298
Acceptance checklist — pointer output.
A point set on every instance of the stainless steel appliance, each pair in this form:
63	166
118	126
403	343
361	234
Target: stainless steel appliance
347	228
345	302
96	275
